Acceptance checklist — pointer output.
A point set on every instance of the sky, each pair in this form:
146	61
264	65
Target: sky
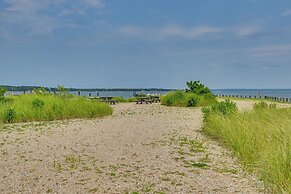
146	43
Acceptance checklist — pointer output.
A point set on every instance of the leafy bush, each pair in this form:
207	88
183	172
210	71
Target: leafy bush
263	105
197	95
4	100
198	88
37	103
180	98
225	107
176	98
207	100
10	115
192	100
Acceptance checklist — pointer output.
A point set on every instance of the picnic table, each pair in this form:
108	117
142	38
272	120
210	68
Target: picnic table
141	100
155	98
108	99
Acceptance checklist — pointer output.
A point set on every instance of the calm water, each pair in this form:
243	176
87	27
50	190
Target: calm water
285	93
125	94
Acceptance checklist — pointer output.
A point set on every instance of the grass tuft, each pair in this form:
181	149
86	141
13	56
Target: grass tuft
39	107
261	139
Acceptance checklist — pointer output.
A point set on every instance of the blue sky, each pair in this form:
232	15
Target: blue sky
146	43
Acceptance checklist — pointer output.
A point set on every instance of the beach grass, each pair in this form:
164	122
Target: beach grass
43	107
187	99
132	99
261	139
120	99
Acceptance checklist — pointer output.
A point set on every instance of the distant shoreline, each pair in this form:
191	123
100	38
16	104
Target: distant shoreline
28	88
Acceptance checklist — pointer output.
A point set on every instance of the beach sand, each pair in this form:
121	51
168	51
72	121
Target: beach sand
141	148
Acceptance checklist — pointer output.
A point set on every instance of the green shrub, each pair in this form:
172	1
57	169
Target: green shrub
10	115
187	99
37	104
4	100
207	100
224	108
176	98
198	88
263	105
192	100
197	94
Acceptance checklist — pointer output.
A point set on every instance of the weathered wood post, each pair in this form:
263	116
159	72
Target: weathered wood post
90	94
79	93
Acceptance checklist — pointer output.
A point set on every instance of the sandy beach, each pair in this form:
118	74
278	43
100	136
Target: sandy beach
141	148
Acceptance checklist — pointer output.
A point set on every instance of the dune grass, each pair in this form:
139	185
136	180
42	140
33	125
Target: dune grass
42	107
132	99
120	99
261	139
187	99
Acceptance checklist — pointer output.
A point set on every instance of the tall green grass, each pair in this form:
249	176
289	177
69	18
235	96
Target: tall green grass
261	139
120	99
187	99
40	107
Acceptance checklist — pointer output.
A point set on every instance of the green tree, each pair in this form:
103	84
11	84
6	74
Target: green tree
198	88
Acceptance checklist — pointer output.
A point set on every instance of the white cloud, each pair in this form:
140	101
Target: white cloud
271	51
247	30
24	18
194	32
187	32
167	32
287	12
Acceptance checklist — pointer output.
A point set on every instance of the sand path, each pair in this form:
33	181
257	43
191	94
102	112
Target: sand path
141	148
